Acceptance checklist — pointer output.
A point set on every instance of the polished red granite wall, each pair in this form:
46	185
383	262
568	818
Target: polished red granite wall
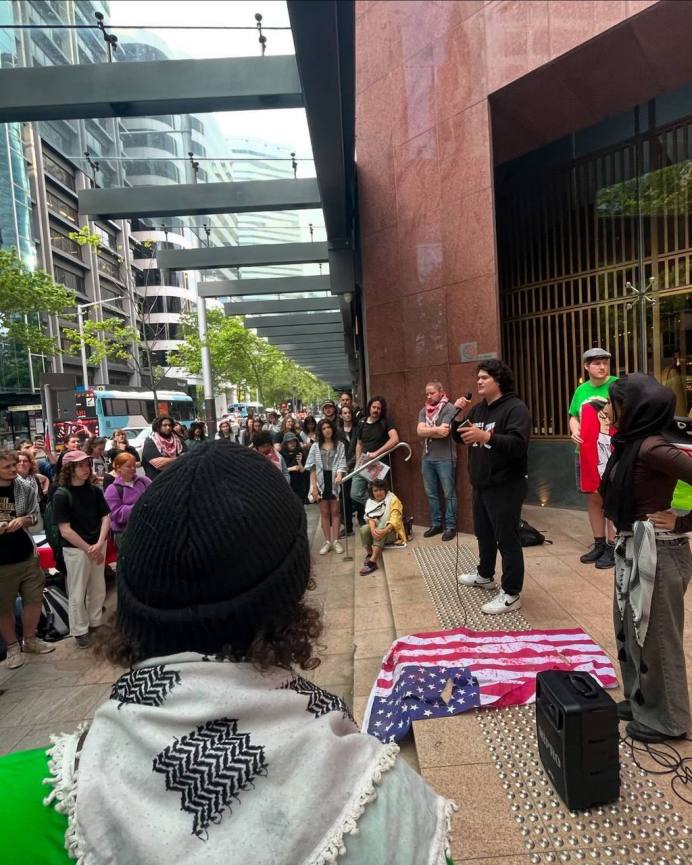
424	71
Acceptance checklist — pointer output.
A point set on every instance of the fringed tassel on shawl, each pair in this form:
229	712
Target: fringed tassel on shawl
334	845
63	779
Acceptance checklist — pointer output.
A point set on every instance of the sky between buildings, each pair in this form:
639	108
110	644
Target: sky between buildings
287	127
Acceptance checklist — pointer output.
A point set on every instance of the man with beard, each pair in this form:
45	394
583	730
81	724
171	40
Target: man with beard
439	459
162	448
375	435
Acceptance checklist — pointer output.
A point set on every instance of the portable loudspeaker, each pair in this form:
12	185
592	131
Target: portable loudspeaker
577	729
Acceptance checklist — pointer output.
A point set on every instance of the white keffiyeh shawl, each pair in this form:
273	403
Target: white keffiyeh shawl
194	760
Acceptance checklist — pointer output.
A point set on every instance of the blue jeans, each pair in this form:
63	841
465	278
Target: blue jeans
441	471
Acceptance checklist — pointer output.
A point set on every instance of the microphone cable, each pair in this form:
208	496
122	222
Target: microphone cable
666	755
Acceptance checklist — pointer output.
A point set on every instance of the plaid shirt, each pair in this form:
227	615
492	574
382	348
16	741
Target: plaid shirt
26	499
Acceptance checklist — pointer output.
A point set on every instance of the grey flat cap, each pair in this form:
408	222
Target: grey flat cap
594	354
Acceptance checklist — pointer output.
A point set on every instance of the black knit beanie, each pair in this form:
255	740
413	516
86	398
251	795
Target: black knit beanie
215	546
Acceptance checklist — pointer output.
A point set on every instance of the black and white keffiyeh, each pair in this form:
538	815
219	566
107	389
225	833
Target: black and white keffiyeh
196	760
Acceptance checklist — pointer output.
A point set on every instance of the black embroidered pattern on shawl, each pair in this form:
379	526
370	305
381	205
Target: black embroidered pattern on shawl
209	767
148	686
319	701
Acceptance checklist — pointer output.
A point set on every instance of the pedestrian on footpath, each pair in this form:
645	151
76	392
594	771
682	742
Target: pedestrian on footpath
20	573
292	456
81	515
439	463
214	726
347	433
326	463
119	444
329	410
252	427
263	443
496	432
376	434
596	363
224	431
653	564
162	448
198	434
124	493
95	449
385	525
309	431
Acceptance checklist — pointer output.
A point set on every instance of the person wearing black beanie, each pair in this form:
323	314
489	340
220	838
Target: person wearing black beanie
230	754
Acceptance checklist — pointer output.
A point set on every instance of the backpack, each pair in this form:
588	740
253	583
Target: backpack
54	623
531	537
52	532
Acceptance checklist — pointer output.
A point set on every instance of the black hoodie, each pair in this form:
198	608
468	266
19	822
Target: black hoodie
504	458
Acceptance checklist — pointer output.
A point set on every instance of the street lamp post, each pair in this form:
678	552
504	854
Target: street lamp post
80	324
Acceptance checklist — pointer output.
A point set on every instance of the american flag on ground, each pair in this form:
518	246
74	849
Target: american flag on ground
443	673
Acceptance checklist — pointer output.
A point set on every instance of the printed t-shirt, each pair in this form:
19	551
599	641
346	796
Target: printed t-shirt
439	449
374	435
83	508
15	546
587	391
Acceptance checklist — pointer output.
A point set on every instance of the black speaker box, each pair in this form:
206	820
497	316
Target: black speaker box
577	729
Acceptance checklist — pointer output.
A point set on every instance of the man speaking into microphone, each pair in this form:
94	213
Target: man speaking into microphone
496	432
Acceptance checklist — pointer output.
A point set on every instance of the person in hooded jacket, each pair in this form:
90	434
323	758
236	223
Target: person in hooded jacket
496	432
653	563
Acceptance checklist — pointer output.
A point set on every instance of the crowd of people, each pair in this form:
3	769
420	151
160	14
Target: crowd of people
625	466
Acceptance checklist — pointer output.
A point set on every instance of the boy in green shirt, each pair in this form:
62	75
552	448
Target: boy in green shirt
597	366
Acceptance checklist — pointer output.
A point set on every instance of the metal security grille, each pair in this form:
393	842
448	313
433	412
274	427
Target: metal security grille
572	232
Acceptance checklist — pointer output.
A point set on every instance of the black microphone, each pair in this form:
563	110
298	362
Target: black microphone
468	395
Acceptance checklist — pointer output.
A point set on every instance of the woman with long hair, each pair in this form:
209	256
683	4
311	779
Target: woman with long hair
95	449
326	463
197	435
225	431
213	724
124	493
252	427
652	558
347	433
119	444
308	434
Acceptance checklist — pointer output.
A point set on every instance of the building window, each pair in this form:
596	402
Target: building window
571	233
57	171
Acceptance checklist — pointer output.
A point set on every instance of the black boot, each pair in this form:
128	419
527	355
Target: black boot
433	530
594	553
607	558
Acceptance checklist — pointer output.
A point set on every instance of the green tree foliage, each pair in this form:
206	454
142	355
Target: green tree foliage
238	355
109	338
28	293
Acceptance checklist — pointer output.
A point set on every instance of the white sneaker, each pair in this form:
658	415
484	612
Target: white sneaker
14	656
475	579
338	547
37	646
326	548
502	603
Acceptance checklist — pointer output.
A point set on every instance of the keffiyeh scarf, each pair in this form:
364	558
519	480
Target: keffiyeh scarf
432	414
197	760
171	447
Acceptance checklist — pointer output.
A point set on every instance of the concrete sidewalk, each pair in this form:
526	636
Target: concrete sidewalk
485	760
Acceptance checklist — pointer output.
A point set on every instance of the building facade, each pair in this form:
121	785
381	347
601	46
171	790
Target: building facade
514	176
